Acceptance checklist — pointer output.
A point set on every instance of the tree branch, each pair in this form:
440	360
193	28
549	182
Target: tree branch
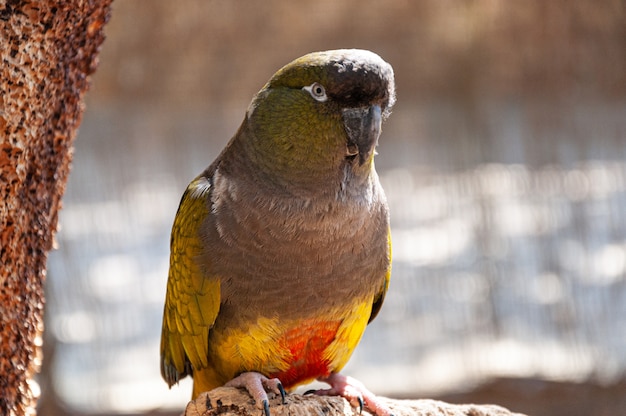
233	401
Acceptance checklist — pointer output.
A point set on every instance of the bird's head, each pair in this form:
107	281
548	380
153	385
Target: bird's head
320	115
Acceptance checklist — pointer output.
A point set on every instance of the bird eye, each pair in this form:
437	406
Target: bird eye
317	91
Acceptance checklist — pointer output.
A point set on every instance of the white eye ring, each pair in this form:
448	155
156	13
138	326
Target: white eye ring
317	91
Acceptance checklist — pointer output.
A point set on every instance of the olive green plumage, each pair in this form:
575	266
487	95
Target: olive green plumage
280	250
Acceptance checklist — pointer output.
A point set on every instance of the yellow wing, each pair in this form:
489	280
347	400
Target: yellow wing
193	298
380	296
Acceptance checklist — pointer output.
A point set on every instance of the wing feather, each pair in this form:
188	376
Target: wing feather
193	298
380	296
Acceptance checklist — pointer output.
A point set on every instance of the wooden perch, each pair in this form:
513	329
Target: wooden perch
233	401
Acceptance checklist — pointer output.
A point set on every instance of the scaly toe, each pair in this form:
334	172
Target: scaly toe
355	392
274	384
257	385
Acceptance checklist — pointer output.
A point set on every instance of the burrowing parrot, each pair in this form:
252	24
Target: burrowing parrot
280	249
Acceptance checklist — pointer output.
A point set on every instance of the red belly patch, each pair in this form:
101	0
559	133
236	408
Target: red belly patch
307	344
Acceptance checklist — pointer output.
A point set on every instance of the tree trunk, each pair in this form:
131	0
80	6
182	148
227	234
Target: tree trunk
48	50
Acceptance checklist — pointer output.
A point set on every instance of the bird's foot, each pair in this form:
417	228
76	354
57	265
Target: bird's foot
354	392
257	385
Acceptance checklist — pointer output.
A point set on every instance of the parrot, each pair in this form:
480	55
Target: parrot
280	251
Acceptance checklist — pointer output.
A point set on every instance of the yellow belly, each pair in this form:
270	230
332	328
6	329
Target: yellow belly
294	351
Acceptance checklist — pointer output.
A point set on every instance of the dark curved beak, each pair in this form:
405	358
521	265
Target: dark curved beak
362	126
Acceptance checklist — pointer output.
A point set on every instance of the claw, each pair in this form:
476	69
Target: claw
266	408
361	403
281	389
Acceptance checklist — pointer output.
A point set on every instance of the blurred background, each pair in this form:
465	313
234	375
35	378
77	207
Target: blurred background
504	163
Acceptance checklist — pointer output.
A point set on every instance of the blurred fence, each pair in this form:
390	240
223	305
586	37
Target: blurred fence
504	164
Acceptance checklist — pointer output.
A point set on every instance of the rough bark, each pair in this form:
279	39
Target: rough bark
48	50
232	401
